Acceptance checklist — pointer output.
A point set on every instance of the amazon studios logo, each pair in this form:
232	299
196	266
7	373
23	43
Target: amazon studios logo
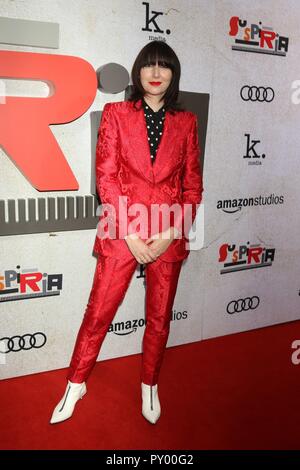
231	206
28	283
130	326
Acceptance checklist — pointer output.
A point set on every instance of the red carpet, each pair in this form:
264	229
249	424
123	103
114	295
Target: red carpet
235	392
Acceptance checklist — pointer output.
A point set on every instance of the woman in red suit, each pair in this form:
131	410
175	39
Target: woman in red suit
147	156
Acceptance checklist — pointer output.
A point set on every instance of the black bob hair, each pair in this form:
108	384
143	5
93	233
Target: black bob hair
157	51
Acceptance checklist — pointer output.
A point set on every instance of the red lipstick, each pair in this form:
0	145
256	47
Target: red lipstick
155	83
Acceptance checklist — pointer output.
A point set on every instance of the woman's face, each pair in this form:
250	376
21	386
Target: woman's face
159	74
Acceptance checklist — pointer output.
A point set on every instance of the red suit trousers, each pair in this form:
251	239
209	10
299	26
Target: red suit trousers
111	280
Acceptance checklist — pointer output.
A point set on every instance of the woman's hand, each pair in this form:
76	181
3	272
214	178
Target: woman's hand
140	250
159	245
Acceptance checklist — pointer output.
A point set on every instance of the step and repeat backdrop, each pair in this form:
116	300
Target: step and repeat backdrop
60	62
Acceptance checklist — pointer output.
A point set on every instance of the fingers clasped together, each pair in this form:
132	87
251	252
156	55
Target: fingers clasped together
149	250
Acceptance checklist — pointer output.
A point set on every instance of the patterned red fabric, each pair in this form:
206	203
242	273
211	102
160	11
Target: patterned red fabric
105	297
123	168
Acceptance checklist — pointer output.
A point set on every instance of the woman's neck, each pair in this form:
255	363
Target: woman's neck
154	104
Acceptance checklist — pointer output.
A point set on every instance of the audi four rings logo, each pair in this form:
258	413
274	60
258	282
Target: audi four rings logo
257	93
236	306
25	342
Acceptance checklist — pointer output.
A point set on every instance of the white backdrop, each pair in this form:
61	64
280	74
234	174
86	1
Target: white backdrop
207	303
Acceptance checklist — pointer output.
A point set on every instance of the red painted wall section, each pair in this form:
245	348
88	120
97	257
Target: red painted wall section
25	134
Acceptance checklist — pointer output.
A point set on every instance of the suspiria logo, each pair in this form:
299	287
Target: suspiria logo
238	258
254	37
28	283
124	328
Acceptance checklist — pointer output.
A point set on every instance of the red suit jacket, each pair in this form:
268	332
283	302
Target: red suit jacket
124	168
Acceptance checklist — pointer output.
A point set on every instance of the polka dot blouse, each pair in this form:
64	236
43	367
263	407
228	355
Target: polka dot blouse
155	124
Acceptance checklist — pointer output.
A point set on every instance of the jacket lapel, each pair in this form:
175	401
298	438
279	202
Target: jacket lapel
139	144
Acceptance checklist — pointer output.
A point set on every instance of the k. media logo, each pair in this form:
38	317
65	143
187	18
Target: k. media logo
240	257
256	37
28	283
151	22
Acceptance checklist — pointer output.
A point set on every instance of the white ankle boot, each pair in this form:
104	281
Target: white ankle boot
64	409
151	405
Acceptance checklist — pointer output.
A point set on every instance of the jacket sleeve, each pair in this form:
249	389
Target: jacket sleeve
192	183
107	166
